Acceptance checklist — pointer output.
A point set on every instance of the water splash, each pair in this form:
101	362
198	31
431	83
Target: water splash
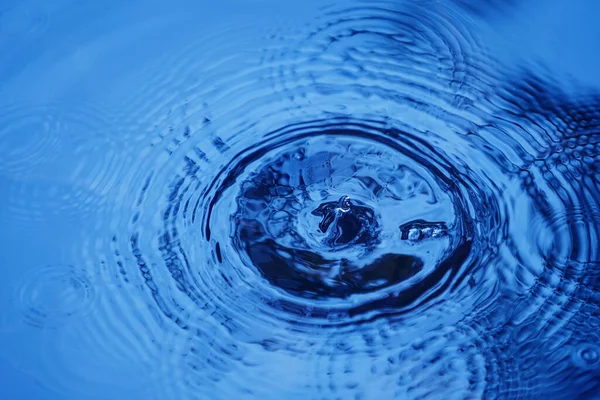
335	235
368	204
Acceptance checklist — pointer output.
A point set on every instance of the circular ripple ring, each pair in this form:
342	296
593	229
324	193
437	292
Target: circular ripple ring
282	186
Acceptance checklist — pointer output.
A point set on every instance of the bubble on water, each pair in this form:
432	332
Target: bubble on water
587	355
419	230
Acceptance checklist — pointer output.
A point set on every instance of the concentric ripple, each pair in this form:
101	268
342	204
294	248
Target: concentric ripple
50	296
315	205
363	206
36	138
29	136
330	226
546	140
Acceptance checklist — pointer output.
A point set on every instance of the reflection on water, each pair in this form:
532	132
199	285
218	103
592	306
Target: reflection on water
353	200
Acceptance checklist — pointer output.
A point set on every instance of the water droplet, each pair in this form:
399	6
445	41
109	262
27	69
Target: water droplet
587	355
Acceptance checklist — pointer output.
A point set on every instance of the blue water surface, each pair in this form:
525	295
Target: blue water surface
299	200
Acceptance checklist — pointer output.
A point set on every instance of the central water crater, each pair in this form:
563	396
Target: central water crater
345	222
333	216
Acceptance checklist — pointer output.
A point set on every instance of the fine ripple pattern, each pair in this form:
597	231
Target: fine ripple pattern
366	204
34	139
548	142
333	225
51	296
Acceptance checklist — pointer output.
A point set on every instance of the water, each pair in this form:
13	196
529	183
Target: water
324	200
